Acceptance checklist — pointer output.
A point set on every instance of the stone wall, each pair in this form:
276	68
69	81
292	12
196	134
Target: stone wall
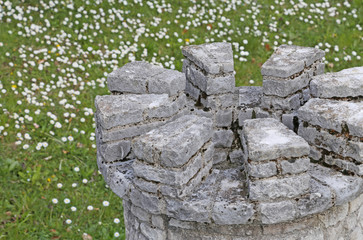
194	157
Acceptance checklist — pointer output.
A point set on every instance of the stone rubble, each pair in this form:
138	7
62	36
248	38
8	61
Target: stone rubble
194	157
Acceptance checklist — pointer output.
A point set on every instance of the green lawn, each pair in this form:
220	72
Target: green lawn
54	60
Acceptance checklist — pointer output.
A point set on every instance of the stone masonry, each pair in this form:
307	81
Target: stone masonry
194	157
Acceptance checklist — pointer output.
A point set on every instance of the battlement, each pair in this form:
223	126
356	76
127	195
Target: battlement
195	157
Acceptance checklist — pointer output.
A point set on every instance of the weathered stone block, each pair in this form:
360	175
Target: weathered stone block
173	144
277	212
339	85
235	212
113	151
262	170
152	233
284	87
290	120
269	139
223	138
278	103
346	188
245	114
220	155
289	60
213	58
147	201
223	118
192	91
294	166
331	114
274	188
250	96
169	81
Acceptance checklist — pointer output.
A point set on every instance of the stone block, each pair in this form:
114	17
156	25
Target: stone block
245	114
119	177
235	212
213	58
289	60
290	120
269	139
262	170
306	95
284	87
274	188
334	115
158	221
223	118
337	85
346	188
294	166
290	103
250	96
344	164
320	67
113	151
222	138
141	214
152	233
335	215
236	156
192	91
173	144
132	77
146	186
277	212
169	81
147	201
220	155
318	200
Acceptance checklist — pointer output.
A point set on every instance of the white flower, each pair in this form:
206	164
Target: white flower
85	181
116	220
68	221
76	169
90	208
66	200
59	185
116	234
73	209
74	185
26	146
105	203
64	139
54	200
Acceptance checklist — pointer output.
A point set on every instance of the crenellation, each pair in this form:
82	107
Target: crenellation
195	157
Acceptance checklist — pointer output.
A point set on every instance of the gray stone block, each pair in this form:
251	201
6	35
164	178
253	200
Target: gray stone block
173	144
250	96
262	170
337	144
320	67
277	212
294	166
260	113
146	186
113	151
269	139
284	87
331	114
290	120
132	77
141	214
274	188
158	221
169	81
319	199
235	212
346	188
223	138
236	156
223	118
147	201
119	177
192	91
213	58
220	155
337	85
344	164
354	70
278	103
289	60
244	114
152	233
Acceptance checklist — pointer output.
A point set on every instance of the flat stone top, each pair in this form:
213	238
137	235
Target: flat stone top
289	60
341	84
119	110
173	144
354	70
269	139
213	58
143	77
335	115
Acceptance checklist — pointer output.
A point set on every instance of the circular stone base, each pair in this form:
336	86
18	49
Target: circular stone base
337	223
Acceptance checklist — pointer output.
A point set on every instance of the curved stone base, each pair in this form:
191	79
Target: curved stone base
338	223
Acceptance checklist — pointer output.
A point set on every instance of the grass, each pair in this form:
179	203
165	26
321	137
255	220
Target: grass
54	60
